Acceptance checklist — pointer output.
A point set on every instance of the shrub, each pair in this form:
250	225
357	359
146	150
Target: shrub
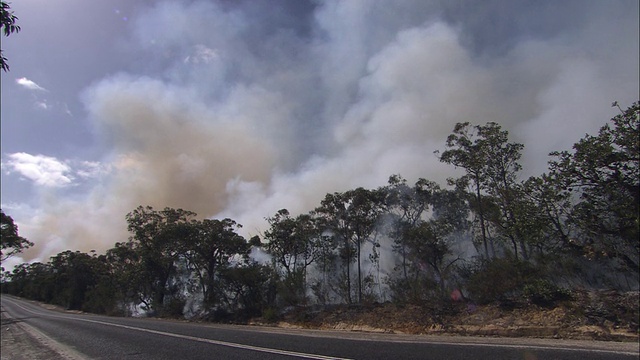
270	315
545	293
500	279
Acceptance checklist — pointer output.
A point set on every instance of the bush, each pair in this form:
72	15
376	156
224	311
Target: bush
500	280
545	293
270	315
174	308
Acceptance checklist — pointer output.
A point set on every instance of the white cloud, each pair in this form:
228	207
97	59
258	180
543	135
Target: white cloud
51	172
29	84
42	170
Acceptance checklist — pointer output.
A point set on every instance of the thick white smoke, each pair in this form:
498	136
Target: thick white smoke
235	116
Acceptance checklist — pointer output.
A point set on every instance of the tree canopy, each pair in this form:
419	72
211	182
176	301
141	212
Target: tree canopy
488	235
10	242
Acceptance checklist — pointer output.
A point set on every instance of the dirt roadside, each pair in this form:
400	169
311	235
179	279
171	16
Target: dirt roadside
22	342
599	316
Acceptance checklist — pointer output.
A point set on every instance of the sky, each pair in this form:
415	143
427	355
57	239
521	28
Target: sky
241	108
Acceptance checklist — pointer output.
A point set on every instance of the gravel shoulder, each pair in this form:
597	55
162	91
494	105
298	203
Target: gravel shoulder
20	341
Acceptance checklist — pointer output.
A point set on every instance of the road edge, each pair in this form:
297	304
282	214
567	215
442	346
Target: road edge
39	337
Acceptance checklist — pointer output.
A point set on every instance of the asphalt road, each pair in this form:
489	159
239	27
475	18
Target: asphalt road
83	336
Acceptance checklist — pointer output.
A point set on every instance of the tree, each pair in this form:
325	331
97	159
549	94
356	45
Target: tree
352	218
8	26
74	275
406	205
158	247
503	184
124	270
603	173
428	222
10	242
209	246
491	165
295	244
546	216
249	289
466	152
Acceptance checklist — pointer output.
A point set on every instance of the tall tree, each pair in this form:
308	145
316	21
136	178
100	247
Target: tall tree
503	183
603	171
294	243
407	206
352	217
158	245
74	274
464	150
491	165
209	246
125	270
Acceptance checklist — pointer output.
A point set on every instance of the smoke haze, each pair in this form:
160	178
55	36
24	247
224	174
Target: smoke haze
238	109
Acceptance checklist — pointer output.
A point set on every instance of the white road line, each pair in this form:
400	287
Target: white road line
203	340
321	357
64	351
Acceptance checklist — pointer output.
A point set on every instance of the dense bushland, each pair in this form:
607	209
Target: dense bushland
487	236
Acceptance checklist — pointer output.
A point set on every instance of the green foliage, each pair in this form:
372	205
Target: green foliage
174	308
209	246
603	171
499	279
491	165
352	218
249	289
295	244
416	289
8	26
10	242
270	315
544	293
156	239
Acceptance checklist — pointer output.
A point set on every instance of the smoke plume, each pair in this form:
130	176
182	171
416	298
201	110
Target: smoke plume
242	109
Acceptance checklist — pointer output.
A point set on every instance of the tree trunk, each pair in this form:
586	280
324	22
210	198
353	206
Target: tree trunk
359	275
481	213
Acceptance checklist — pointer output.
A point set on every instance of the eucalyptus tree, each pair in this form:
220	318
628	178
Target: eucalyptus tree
295	244
250	289
75	275
491	165
210	246
603	171
464	150
158	247
503	183
11	243
406	206
546	217
351	217
429	241
125	270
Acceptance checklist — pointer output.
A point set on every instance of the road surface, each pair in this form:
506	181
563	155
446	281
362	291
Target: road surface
84	336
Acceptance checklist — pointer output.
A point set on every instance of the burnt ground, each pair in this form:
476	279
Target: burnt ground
589	315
